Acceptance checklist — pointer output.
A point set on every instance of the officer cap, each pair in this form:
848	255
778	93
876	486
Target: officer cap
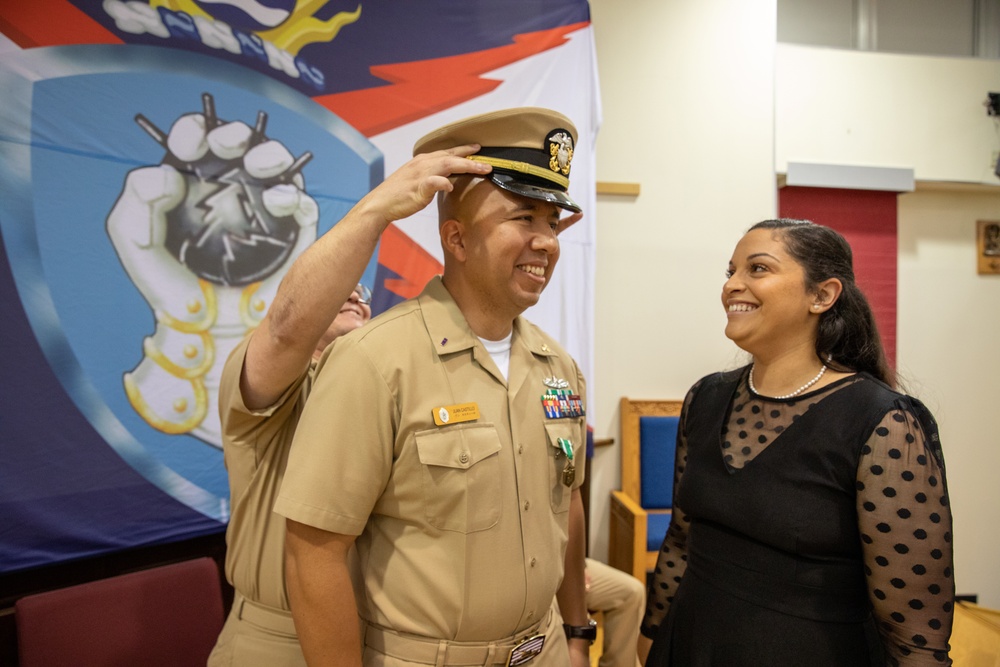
530	149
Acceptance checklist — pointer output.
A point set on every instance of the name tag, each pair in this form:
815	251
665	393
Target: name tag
456	414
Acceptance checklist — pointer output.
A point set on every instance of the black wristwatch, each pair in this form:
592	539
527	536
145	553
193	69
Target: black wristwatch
588	632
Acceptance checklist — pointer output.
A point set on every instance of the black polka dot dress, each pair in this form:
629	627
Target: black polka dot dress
807	531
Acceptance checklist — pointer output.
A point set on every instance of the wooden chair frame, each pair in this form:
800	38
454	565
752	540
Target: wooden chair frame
629	520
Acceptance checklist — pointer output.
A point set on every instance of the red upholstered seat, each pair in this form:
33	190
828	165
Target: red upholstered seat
169	615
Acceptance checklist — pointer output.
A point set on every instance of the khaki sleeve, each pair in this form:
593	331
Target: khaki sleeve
239	421
341	456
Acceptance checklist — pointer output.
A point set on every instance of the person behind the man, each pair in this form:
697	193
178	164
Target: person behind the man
443	440
264	387
621	599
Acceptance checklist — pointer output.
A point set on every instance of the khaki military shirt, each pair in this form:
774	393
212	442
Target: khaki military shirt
255	447
462	525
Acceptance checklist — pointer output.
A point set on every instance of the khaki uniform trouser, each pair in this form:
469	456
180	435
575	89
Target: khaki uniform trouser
256	635
385	648
622	599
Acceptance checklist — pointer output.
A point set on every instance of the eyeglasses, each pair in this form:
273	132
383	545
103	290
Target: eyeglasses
364	294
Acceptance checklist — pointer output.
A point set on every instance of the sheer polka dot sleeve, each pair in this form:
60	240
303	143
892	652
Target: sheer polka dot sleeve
905	524
672	560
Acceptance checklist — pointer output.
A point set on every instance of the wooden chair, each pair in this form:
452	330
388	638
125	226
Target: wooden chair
167	616
640	512
975	637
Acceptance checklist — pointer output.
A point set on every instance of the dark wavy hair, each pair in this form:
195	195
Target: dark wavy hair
847	331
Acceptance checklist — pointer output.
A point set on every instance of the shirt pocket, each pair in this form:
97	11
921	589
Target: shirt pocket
461	476
569	429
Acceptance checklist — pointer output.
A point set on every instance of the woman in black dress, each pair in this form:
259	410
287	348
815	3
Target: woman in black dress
811	523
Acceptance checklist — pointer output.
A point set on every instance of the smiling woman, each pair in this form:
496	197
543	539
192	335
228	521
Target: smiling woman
811	519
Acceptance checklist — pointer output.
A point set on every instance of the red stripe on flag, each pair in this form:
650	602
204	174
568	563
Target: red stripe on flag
424	87
33	23
404	257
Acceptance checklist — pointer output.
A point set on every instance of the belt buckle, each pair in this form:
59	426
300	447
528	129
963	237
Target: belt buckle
526	651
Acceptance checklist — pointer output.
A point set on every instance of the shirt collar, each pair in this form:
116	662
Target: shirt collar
447	327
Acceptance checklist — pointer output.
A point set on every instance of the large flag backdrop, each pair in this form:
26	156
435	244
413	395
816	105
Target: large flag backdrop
135	250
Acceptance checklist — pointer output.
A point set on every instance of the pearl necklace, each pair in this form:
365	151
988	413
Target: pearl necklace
794	393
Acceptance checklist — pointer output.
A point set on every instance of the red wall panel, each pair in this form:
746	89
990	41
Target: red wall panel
867	219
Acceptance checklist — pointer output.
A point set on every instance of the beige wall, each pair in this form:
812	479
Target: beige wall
687	98
692	94
949	328
925	113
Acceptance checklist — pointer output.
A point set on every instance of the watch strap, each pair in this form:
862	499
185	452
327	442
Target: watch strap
588	632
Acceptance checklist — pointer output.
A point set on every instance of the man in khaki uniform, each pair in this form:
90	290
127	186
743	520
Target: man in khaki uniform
265	384
443	439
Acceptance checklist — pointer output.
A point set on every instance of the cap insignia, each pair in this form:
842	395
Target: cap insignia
560	151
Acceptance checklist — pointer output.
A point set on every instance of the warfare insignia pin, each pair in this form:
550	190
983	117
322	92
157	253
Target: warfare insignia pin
556	383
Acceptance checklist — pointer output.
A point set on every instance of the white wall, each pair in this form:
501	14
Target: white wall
886	110
687	94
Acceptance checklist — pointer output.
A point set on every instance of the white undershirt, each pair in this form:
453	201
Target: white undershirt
500	352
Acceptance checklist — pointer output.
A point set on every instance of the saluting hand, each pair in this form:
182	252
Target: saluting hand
567	222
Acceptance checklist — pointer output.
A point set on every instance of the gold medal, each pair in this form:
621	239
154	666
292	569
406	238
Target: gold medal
569	473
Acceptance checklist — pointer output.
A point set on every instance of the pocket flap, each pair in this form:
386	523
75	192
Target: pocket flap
568	429
459	446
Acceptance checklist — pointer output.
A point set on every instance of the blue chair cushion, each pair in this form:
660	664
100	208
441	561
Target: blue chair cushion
656	530
657	444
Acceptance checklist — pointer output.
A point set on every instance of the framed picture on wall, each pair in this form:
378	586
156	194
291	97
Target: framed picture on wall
988	247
